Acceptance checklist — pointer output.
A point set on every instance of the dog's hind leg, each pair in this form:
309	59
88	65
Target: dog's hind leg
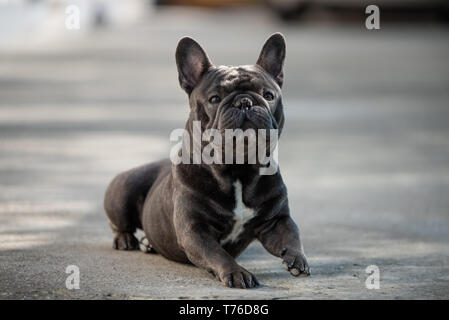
122	211
124	199
123	240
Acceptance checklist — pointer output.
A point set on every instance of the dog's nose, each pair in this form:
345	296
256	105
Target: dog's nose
243	101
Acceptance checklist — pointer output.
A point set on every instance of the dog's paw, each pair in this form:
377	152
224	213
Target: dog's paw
125	241
295	262
145	246
239	278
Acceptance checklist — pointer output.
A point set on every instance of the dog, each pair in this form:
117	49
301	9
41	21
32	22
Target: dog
207	214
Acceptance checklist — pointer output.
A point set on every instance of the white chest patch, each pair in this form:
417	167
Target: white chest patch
242	214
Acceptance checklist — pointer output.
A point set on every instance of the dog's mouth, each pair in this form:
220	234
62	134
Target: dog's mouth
255	117
244	111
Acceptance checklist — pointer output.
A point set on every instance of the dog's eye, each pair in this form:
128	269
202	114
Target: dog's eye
214	99
268	96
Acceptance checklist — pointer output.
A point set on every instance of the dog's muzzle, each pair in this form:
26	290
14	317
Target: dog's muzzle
243	110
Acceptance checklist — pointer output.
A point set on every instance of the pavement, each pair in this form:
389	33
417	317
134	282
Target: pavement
364	154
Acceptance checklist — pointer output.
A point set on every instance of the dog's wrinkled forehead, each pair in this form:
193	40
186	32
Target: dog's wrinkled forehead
241	78
236	77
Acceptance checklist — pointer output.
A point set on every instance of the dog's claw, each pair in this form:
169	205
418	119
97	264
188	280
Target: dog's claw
295	272
296	263
240	279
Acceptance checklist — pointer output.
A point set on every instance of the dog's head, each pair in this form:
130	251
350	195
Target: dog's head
223	97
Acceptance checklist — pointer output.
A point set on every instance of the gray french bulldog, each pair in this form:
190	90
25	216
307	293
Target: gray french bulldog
207	214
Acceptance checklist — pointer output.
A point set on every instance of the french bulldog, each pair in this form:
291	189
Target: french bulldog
207	214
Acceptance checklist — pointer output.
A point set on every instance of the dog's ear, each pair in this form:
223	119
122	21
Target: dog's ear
272	56
192	63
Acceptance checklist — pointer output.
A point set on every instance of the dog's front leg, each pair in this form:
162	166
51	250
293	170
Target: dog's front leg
280	237
205	252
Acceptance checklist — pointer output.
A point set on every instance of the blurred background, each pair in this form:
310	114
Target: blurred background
364	152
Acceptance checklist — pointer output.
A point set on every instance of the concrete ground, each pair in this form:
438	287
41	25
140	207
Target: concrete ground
365	156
